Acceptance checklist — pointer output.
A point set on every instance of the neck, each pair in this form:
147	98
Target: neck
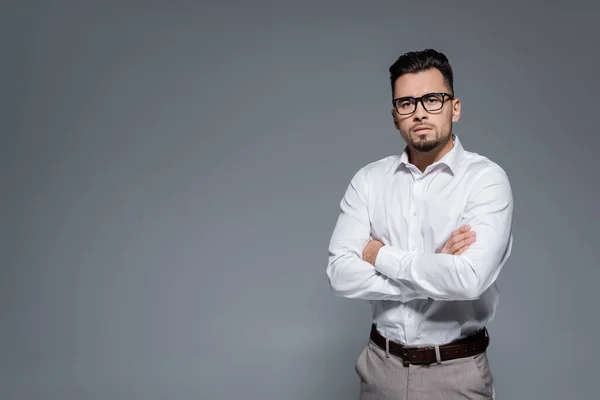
423	160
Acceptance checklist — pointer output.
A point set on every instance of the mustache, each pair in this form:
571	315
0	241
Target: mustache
421	126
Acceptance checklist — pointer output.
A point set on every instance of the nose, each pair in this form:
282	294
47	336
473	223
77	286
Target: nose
420	112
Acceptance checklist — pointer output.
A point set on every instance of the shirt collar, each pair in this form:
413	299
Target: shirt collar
451	159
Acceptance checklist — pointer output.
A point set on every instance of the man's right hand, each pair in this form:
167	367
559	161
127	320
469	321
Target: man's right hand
459	241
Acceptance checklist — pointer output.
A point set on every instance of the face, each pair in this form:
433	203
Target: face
424	131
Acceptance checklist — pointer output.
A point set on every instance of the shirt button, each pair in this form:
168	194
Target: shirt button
414	248
415	213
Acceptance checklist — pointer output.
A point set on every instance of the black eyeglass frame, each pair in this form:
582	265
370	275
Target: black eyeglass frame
416	101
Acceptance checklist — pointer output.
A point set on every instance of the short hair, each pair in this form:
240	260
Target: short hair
417	61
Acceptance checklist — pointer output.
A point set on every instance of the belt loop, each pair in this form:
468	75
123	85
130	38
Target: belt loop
438	358
387	348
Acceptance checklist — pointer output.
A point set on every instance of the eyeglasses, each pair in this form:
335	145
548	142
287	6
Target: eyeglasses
430	102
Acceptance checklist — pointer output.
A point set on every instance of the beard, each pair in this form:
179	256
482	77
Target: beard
426	145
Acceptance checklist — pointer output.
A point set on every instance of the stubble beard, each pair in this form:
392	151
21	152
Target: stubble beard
427	145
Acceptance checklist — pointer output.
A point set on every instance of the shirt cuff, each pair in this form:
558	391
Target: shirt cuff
391	261
363	246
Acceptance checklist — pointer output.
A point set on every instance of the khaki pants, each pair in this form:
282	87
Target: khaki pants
383	378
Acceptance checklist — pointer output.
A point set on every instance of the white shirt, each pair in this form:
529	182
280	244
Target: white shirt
418	296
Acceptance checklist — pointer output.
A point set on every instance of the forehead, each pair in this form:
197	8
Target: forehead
419	83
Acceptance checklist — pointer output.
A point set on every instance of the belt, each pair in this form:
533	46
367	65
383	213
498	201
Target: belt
425	355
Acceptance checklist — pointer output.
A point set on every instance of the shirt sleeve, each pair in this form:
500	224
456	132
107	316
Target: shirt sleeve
467	276
349	275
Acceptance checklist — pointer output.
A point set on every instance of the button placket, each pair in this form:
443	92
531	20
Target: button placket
415	224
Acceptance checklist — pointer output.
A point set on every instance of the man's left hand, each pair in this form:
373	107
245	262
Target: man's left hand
370	251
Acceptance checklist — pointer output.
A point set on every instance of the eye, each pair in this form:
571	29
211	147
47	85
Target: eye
405	104
433	99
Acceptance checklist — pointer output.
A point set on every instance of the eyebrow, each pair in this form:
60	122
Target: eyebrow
424	94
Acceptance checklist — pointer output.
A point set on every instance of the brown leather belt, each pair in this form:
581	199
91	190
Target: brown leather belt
425	355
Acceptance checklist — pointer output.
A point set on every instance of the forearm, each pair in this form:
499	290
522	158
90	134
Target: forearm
442	276
351	277
465	276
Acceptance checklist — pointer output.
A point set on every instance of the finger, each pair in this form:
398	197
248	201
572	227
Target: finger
462	243
462	229
461	237
462	250
454	238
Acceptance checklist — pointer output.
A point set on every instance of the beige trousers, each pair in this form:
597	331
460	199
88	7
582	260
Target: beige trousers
383	378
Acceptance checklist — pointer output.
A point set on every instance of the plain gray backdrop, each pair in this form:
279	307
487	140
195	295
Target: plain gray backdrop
172	173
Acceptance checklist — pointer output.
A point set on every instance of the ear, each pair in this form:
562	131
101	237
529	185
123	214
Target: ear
456	110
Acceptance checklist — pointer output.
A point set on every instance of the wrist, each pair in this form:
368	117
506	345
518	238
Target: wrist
371	250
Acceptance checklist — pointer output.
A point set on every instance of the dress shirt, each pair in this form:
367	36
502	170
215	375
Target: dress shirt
418	295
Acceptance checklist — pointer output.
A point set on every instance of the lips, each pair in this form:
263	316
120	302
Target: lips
423	128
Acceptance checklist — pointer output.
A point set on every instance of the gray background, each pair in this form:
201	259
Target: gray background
172	172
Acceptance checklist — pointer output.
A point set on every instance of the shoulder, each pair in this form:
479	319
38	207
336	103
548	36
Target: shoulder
368	177
479	167
378	169
488	181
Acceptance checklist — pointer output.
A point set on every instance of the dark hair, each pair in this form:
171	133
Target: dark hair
417	61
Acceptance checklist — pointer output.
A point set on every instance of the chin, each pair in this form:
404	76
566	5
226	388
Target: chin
424	149
425	146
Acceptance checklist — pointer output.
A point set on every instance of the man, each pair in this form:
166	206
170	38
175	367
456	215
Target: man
423	235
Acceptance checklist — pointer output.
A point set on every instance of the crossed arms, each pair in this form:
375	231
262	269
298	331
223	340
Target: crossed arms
396	274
